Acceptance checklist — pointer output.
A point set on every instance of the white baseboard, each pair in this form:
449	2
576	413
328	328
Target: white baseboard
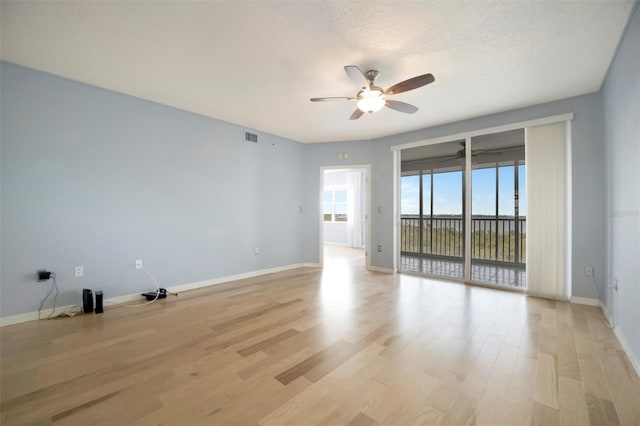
606	314
626	347
31	316
585	301
381	269
312	265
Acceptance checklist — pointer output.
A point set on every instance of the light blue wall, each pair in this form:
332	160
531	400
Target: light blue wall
621	96
587	181
99	179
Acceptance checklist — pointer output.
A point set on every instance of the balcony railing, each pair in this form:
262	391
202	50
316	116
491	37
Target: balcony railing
501	240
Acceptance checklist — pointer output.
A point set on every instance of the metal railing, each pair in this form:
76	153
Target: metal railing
501	240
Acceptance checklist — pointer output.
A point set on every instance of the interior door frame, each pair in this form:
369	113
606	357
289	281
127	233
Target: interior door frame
397	167
367	213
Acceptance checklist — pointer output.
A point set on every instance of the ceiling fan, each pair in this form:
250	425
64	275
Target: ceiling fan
372	98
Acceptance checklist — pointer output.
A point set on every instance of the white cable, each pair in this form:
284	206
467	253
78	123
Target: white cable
150	301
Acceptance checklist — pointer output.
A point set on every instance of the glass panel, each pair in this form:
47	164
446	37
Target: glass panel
410	195
506	191
483	196
410	212
496	244
522	190
340	196
426	194
340	212
447	190
433	245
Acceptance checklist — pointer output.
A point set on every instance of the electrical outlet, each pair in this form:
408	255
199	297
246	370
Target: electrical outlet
588	271
379	249
614	285
256	251
79	271
139	264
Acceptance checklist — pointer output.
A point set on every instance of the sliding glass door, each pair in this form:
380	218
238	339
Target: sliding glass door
438	216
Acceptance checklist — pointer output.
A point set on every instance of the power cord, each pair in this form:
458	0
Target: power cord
150	301
54	286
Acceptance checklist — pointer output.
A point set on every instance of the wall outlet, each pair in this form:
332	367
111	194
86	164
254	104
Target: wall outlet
379	249
588	271
78	271
256	251
614	284
139	264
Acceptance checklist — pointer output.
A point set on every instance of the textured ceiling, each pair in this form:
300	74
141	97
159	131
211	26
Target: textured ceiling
257	63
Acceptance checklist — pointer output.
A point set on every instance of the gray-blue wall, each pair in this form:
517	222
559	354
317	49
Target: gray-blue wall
587	181
621	95
99	179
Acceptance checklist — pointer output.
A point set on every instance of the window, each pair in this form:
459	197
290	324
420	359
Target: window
334	205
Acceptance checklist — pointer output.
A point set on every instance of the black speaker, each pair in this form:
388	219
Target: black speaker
87	301
99	309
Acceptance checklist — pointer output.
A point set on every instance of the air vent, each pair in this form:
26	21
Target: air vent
251	137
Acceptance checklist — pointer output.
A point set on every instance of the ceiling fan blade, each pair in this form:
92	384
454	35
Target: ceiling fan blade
356	114
412	83
401	106
355	74
331	98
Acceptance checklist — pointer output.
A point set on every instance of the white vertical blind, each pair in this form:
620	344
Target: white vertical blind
548	210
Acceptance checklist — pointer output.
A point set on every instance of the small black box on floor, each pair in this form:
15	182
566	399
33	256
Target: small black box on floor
99	308
87	301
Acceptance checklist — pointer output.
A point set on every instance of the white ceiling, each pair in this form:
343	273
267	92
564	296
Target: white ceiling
257	63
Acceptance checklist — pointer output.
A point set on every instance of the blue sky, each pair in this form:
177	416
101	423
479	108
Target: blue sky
447	192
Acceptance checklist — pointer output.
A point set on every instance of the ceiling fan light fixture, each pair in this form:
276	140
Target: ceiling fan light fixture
370	100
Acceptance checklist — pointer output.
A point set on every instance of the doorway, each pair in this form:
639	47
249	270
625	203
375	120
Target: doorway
344	214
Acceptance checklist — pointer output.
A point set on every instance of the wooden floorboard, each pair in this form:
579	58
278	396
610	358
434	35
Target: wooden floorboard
333	346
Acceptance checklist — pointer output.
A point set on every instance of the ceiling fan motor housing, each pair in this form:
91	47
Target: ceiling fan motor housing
371	76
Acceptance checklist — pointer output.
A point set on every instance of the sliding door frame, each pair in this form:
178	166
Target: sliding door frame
397	158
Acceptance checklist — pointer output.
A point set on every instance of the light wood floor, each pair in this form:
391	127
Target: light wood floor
333	346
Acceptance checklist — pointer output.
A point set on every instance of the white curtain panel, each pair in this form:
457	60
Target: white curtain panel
354	225
548	210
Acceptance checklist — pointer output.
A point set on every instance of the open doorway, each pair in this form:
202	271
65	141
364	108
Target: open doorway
344	214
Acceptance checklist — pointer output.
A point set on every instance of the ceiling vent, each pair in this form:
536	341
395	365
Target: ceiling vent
251	137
